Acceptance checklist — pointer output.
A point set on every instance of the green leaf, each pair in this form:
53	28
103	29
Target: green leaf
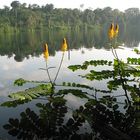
75	92
32	93
74	67
88	63
20	82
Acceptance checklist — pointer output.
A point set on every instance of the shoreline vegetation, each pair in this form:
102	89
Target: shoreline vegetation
25	25
21	17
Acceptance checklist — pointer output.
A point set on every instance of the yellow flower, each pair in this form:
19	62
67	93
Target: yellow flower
116	30
46	52
111	32
64	46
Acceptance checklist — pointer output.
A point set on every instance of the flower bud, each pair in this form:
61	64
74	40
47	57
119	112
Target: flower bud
46	52
64	45
111	32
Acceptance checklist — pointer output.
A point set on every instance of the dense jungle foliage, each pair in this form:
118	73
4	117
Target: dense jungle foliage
21	16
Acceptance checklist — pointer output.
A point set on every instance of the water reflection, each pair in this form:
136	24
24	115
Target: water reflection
93	114
29	68
24	44
59	117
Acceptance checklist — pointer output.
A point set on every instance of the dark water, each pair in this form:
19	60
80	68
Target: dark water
61	117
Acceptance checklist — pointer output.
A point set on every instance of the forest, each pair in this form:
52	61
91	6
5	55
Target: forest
25	25
21	17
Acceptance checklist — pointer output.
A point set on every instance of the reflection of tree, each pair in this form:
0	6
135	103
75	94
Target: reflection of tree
19	57
28	43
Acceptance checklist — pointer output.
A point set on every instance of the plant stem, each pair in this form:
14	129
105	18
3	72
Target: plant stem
119	70
113	52
59	68
48	73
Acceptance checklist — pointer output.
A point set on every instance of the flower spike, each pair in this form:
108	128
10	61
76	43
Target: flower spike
46	52
64	46
111	32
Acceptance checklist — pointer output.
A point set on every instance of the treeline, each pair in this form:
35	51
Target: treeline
22	17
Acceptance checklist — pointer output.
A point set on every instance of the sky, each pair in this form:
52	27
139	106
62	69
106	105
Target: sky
93	4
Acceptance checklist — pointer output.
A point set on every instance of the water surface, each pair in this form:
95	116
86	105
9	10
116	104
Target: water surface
21	57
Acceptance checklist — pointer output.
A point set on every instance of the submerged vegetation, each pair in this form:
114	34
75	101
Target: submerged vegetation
101	115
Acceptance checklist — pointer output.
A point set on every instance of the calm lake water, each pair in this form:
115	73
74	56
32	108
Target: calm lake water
21	57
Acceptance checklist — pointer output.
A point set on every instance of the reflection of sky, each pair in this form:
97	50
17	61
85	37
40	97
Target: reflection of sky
29	68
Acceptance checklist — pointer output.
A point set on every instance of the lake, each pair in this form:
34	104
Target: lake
21	56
